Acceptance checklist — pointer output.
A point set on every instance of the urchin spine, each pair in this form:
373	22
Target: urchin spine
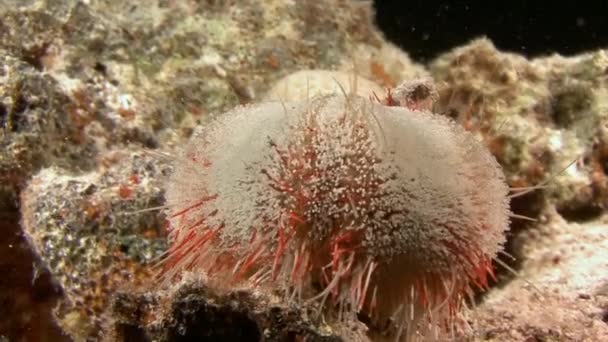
392	213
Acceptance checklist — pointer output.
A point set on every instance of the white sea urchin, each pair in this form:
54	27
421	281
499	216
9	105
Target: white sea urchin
383	211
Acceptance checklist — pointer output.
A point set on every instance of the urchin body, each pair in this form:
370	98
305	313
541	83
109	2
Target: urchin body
393	213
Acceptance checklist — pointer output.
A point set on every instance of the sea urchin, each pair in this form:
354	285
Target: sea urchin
362	208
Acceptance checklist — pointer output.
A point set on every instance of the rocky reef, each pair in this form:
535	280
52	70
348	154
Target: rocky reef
95	96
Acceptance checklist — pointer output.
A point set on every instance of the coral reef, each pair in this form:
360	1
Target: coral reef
85	229
85	86
39	126
536	116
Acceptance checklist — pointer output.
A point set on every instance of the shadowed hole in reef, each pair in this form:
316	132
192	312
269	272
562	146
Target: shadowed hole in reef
15	118
529	205
27	291
581	213
3	116
587	203
129	332
196	320
604	316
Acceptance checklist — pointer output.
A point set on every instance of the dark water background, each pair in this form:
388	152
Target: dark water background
532	28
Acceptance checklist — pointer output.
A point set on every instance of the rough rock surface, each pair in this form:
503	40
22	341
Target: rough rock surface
536	116
561	293
193	311
86	85
84	228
